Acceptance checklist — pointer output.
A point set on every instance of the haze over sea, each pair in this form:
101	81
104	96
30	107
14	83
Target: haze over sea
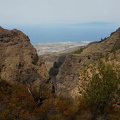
47	21
49	33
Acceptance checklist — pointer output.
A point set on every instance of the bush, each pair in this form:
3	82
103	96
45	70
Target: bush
103	39
78	51
102	89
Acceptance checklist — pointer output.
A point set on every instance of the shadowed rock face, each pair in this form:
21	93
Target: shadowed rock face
18	58
67	79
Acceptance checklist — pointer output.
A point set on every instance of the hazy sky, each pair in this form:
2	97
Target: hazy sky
59	11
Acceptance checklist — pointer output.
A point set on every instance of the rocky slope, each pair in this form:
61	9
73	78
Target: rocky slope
19	60
54	61
50	59
68	79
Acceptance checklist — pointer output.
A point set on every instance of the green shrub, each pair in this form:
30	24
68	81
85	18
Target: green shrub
103	39
102	89
78	51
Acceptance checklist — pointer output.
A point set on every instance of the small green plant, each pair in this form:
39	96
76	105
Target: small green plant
103	39
78	51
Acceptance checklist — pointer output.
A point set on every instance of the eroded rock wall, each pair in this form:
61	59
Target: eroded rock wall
19	60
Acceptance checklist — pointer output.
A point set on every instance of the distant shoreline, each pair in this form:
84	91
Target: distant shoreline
49	48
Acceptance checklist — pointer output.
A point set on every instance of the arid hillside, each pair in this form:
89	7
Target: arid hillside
79	85
69	72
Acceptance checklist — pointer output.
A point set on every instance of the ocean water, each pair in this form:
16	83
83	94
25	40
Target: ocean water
49	33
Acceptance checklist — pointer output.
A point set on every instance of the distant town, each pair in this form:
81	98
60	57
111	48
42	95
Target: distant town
48	48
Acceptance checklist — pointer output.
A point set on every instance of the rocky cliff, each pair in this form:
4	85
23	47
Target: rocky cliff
19	60
68	78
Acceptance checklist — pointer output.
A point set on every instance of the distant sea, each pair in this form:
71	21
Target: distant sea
49	33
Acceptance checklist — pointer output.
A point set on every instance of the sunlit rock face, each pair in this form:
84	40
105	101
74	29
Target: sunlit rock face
69	77
18	58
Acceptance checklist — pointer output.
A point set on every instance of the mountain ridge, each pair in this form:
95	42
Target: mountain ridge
70	70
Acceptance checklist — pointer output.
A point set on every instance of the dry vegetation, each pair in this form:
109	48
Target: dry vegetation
16	103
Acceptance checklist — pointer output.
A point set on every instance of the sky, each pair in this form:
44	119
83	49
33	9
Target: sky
58	11
61	20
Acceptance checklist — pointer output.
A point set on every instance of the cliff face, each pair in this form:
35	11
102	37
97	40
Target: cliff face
18	58
68	78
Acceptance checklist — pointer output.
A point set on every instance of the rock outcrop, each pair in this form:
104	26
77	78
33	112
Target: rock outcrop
19	60
68	77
